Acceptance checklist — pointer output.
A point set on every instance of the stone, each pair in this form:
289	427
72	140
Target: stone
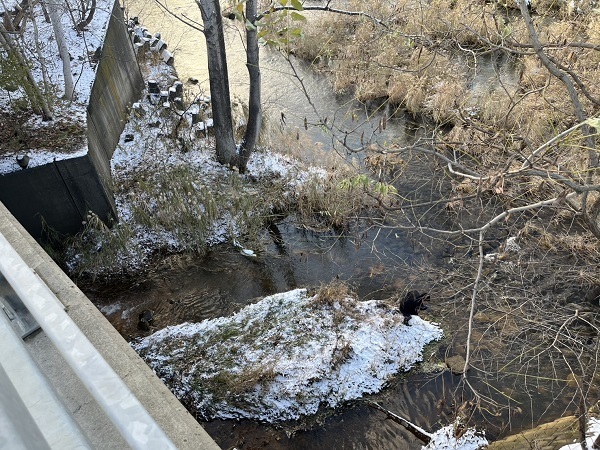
195	114
154	99
167	57
146	319
456	364
23	161
178	88
159	46
153	87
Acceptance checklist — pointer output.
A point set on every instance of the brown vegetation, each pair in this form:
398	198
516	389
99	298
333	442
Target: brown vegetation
514	95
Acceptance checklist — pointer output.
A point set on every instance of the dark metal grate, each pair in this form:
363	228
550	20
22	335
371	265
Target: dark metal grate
20	317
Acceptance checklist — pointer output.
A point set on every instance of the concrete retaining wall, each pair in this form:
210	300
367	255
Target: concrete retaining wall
58	195
171	416
118	83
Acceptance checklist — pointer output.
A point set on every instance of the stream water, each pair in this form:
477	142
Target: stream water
377	265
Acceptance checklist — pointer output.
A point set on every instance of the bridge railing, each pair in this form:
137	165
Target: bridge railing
129	416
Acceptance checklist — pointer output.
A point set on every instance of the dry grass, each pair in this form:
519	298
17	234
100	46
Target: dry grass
533	73
230	384
177	209
372	62
391	164
329	202
582	244
446	98
329	294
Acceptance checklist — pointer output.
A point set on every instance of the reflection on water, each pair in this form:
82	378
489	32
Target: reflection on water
184	288
187	289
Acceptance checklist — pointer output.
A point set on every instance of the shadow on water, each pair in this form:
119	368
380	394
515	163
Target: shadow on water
185	288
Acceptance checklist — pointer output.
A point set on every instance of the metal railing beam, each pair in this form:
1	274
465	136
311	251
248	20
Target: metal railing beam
132	420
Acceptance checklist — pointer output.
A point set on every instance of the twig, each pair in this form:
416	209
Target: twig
419	432
474	303
188	22
325	8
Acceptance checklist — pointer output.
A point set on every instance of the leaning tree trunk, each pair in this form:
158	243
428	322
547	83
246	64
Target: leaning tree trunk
85	22
219	81
590	215
36	97
255	110
63	50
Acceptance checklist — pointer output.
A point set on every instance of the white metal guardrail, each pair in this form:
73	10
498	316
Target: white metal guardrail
134	423
31	416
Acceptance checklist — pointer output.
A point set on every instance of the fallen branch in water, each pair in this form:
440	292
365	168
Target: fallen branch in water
420	433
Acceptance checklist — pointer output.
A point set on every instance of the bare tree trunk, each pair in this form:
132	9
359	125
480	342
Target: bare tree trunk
589	140
85	22
62	49
255	109
39	103
39	53
219	80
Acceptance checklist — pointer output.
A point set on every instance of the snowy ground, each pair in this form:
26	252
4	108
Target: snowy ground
593	432
283	357
176	199
81	47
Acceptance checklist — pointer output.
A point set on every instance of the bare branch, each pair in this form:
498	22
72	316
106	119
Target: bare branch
474	303
325	8
190	23
419	432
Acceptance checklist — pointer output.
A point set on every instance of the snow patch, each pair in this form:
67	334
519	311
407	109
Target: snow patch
444	439
593	431
283	357
511	245
81	46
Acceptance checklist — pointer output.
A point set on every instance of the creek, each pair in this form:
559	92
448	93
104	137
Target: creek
379	264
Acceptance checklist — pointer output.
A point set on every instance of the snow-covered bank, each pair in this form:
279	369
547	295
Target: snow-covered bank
445	439
171	193
286	355
593	433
